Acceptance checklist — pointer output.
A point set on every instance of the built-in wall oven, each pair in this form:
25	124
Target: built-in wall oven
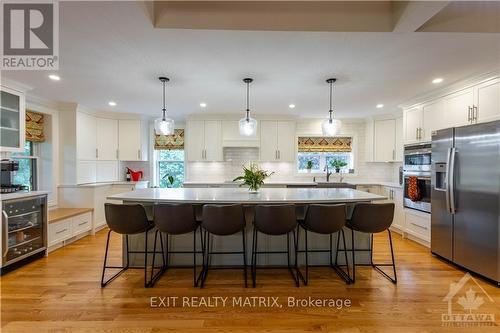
417	169
24	229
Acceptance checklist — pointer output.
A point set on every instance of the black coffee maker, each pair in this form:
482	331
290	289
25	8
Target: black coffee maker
7	169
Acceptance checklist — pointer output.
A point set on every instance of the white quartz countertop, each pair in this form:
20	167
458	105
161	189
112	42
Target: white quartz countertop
106	184
297	183
241	195
21	195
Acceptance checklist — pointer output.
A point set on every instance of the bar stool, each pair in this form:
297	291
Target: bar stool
325	220
372	218
222	220
275	220
127	220
171	220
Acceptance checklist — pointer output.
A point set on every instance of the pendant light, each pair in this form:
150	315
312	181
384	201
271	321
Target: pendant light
331	126
164	125
247	125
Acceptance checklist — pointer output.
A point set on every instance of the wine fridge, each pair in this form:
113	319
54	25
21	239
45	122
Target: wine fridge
24	229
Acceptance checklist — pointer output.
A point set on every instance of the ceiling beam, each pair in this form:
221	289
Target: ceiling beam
411	15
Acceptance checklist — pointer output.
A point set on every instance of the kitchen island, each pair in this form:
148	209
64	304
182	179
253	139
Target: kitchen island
201	196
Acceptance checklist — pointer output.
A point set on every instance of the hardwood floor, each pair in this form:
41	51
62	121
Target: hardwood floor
61	293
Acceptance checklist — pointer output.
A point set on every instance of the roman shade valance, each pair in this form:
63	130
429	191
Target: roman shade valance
325	144
169	142
34	127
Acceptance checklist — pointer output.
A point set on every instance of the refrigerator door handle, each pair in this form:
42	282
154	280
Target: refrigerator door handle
447	188
451	179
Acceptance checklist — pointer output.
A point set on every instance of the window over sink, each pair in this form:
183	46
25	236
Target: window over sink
322	151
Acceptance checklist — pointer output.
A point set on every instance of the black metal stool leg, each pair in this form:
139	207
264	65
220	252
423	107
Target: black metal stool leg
195	280
122	268
146	283
254	258
393	264
244	258
353	257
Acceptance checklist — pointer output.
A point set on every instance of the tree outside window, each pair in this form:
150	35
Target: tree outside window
170	163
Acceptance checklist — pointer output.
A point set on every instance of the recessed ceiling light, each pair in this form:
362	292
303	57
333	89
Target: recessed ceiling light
380	106
111	103
203	105
437	80
291	106
54	77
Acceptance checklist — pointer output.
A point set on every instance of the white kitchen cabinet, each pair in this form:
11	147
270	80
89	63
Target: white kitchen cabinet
12	120
458	108
432	119
487	100
399	146
213	140
203	140
132	140
231	136
86	136
107	139
384	140
418	225
412	124
395	195
277	141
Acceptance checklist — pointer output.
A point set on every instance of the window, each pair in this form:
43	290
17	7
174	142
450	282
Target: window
322	151
27	173
170	163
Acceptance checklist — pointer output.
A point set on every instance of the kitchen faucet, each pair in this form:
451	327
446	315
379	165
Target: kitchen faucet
328	173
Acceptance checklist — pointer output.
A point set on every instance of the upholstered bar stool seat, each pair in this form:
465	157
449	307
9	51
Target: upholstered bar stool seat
326	220
171	220
275	220
126	220
372	218
222	220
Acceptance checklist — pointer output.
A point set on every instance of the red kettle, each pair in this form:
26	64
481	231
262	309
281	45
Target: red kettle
135	175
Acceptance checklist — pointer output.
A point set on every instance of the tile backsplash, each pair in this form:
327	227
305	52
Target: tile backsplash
234	158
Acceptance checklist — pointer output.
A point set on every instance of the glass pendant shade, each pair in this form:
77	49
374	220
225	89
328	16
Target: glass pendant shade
331	127
164	126
248	126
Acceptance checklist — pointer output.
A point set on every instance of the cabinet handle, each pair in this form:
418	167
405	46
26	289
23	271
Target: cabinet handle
469	116
416	133
279	155
82	223
117	155
61	231
96	153
474	113
417	225
393	154
139	154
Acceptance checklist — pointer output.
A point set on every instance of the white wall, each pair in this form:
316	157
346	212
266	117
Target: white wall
236	157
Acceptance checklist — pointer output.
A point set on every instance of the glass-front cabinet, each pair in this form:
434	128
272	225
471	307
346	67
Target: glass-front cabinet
12	119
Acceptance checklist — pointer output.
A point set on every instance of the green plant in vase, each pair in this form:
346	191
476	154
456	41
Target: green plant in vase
170	179
253	177
309	165
337	164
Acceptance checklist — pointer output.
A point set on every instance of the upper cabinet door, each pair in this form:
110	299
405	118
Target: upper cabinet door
130	140
432	119
286	141
269	140
107	139
487	100
12	120
412	124
86	136
213	140
399	147
458	108
385	140
195	140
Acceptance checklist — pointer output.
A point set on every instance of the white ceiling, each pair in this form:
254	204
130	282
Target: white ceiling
111	51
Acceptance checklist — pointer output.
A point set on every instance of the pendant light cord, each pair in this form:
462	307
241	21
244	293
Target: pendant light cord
164	110
248	101
331	98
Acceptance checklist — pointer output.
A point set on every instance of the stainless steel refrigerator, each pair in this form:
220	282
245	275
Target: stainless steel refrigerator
465	199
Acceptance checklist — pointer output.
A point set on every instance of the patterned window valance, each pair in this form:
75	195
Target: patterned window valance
34	127
168	142
325	144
